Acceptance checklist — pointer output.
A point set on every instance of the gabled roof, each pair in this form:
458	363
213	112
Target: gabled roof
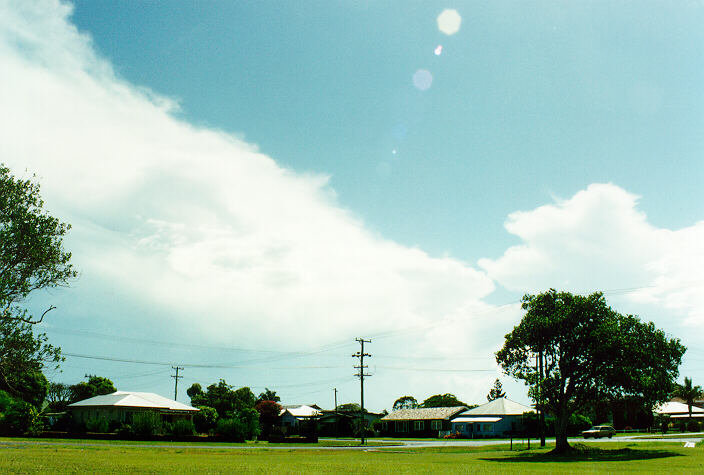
133	399
498	407
674	407
426	413
301	411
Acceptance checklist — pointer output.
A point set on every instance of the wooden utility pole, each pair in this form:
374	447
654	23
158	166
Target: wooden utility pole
361	374
176	377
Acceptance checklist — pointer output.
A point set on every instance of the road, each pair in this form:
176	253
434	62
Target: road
400	444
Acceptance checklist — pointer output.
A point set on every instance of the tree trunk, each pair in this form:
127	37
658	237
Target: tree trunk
561	444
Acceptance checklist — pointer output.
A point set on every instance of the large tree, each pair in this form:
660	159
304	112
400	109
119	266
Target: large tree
442	400
590	353
31	258
688	393
95	386
405	402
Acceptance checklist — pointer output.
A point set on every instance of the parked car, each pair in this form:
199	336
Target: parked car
598	432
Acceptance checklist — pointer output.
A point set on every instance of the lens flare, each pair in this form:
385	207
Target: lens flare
438	50
449	21
422	79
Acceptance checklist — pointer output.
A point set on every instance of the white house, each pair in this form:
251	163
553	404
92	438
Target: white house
679	410
122	405
291	416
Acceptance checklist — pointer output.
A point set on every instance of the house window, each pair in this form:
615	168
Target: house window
487	427
418	425
401	426
385	426
436	425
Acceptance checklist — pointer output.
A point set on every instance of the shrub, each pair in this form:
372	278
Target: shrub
146	423
98	424
182	428
21	418
206	419
693	426
577	423
124	430
231	429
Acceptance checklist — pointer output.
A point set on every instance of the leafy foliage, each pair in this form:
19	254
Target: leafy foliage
146	423
183	427
18	417
31	250
496	392
243	426
222	397
442	400
268	395
205	419
31	258
590	353
23	355
58	396
95	386
405	402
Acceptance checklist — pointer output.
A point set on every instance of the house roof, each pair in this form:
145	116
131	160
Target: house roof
301	411
498	407
133	399
426	413
674	407
476	419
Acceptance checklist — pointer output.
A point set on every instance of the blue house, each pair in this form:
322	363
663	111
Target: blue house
497	418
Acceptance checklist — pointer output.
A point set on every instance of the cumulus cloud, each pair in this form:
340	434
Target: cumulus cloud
599	240
197	221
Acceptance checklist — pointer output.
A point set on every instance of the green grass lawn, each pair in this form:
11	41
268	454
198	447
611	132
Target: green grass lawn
28	456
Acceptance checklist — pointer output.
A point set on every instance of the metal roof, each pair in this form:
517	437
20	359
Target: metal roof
498	407
133	399
301	411
427	413
476	419
674	407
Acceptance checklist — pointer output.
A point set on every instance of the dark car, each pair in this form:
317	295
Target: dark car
598	432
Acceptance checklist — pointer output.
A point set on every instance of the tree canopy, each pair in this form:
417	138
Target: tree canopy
590	353
268	395
222	397
405	402
31	246
442	400
496	392
31	258
95	386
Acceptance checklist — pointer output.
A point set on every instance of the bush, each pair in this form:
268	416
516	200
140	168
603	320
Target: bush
231	429
577	423
182	428
124	430
99	424
206	419
693	426
20	418
146	423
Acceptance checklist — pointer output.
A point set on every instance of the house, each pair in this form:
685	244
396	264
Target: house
679	410
497	418
423	422
121	406
292	416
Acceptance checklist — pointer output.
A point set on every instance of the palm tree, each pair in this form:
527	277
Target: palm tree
688	393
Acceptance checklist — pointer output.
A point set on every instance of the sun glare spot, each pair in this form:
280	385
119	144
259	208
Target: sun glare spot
422	79
438	50
449	21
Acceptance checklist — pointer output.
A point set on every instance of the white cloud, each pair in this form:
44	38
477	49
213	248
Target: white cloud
196	221
599	240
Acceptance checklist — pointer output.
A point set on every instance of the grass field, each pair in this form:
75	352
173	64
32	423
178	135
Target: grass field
31	456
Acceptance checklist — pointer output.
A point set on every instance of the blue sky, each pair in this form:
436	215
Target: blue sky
265	175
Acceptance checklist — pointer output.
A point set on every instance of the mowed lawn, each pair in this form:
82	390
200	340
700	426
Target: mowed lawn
24	457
